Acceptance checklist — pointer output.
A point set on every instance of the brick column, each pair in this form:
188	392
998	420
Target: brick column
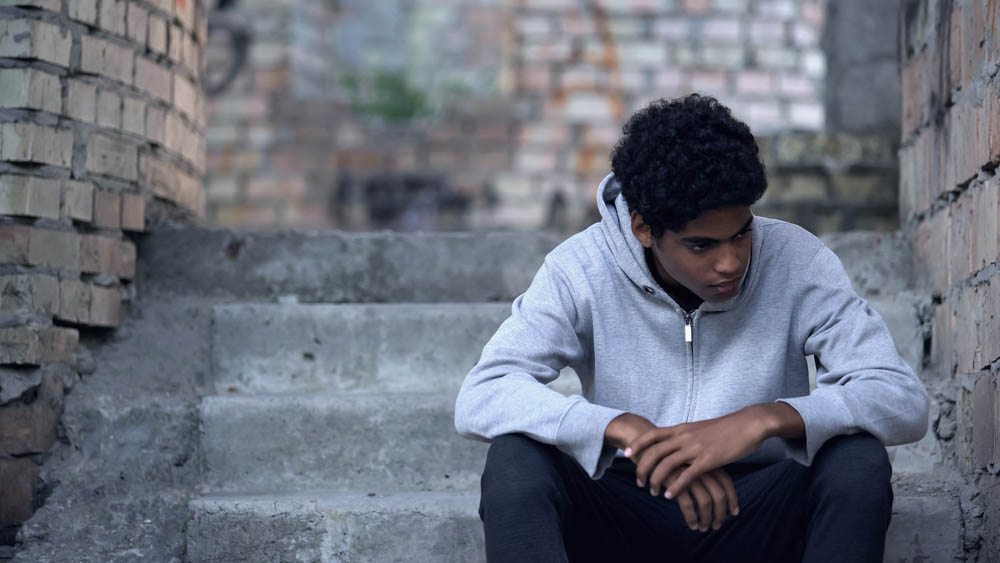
950	204
100	119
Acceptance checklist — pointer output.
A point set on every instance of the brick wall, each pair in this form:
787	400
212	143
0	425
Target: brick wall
101	126
525	148
950	205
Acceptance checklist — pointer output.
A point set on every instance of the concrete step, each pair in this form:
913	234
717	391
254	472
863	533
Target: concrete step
337	267
338	527
372	443
275	349
445	527
268	348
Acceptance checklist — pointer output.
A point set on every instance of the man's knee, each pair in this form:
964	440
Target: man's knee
518	469
856	467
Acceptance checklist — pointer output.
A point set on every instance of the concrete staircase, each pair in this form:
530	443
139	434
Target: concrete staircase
288	397
328	435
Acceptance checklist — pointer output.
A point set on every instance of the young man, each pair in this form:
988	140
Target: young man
688	320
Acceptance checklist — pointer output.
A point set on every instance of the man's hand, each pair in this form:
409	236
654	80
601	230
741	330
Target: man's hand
713	494
706	445
710	495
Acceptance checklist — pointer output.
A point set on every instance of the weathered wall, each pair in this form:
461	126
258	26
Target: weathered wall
950	206
101	125
507	109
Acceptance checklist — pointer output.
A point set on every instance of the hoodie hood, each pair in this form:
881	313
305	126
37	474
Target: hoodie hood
616	222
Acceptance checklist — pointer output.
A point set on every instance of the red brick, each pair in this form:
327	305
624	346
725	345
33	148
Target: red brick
942	350
107	209
133	212
31	428
29	293
912	103
97	254
59	249
105	307
17	485
36	345
984	421
74	301
126	260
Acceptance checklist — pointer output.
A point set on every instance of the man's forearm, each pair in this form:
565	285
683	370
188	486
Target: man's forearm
778	420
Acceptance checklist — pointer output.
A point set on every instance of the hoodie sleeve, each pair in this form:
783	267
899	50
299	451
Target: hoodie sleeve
861	384
506	393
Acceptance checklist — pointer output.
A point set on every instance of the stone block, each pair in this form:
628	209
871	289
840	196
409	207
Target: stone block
81	101
157	40
118	62
112	156
589	107
18	478
29	293
721	30
36	143
98	254
14	241
126	254
186	96
112	16
156	124
30	428
36	345
51	5
175	49
723	56
152	79
107	209
750	82
30	88
29	195
191	55
83	11
136	22
133	212
652	54
134	116
109	109
105	307
59	249
34	39
78	200
796	187
74	301
985	437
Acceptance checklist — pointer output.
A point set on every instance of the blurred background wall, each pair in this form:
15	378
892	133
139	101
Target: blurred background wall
484	114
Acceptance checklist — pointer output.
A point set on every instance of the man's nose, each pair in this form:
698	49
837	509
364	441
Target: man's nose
728	263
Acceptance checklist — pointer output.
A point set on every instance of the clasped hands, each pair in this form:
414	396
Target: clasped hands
687	461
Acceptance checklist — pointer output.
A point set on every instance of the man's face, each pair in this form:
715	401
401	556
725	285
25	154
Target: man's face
708	256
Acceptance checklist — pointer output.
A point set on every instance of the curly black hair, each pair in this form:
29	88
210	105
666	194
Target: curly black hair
680	157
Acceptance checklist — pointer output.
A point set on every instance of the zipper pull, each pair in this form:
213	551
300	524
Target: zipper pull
688	336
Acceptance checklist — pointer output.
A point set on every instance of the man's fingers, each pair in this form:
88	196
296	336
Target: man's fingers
684	480
686	504
649	459
703	501
718	494
722	476
665	467
646	439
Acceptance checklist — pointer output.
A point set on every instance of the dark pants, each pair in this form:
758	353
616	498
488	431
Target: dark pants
538	505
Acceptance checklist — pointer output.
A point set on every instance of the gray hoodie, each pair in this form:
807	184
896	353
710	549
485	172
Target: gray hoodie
594	306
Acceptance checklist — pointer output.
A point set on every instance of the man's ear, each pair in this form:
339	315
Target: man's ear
641	230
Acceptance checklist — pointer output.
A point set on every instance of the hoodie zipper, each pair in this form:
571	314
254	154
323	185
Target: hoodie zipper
689	346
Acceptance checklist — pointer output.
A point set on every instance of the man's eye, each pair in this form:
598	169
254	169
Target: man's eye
699	248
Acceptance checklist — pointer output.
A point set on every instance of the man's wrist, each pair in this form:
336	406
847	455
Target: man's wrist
625	428
777	419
